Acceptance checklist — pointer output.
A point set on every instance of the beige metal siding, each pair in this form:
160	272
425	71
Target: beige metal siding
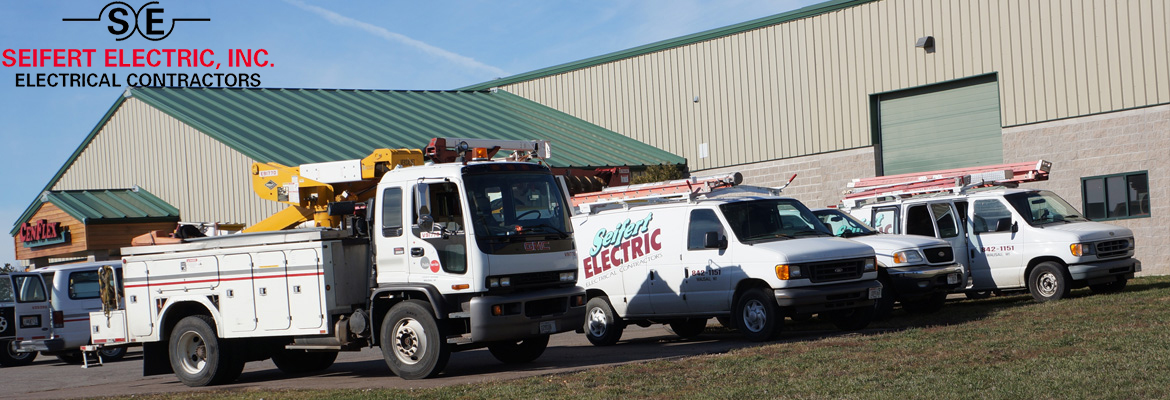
803	87
140	145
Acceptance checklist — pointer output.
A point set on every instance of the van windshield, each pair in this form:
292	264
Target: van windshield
1044	207
771	219
843	224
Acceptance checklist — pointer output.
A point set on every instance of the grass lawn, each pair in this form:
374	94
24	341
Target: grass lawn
1009	347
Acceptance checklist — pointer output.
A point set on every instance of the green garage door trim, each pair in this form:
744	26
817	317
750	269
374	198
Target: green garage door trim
949	125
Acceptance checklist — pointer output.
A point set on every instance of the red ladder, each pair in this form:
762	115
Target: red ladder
954	180
688	187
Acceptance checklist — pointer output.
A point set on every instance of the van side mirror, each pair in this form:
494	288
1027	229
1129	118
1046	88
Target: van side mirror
1004	225
711	241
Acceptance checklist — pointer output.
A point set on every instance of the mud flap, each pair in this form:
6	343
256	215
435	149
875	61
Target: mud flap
155	360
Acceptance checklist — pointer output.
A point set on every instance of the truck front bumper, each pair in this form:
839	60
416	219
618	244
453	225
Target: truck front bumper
925	279
1105	271
815	299
525	315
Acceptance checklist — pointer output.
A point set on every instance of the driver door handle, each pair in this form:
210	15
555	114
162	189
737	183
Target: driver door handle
416	252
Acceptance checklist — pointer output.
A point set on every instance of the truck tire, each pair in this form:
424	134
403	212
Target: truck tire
198	356
113	353
300	361
1049	281
70	357
1111	287
688	328
852	319
411	342
10	358
925	305
602	327
884	306
757	315
519	352
978	295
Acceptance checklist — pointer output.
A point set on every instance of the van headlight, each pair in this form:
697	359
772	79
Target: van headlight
785	272
907	257
1082	249
870	265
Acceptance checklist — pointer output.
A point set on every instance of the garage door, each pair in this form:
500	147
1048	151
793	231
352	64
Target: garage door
950	125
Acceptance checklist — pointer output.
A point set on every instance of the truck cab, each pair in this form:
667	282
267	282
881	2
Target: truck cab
1011	239
741	254
24	315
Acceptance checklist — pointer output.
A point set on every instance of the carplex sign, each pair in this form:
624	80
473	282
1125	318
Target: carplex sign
42	233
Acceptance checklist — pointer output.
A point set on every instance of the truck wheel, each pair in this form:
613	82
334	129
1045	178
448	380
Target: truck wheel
602	327
198	357
926	305
1111	287
10	358
757	315
70	357
688	328
1048	281
113	353
411	342
852	319
300	361
884	306
520	352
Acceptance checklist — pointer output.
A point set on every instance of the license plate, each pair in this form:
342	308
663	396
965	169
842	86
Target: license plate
30	321
875	293
548	327
952	279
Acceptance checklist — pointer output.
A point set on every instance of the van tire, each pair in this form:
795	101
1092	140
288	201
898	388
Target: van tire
689	327
757	315
978	295
1049	281
852	319
925	305
411	342
10	358
884	306
198	356
519	352
602	326
300	361
1111	287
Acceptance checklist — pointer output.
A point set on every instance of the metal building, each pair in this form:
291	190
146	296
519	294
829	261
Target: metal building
856	88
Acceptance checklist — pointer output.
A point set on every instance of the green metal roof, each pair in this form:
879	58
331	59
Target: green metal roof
805	12
105	206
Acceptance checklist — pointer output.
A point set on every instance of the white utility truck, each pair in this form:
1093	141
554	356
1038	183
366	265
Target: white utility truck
24	315
420	260
682	252
916	271
1007	238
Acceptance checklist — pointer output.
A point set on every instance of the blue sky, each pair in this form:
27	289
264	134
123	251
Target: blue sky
355	44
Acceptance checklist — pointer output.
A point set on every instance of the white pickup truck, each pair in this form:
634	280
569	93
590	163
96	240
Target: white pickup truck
1015	239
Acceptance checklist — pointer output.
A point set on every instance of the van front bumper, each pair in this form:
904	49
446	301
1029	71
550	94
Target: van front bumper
526	315
1105	271
815	299
45	345
925	279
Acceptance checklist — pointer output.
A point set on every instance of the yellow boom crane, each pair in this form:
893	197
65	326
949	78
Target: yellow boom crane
309	188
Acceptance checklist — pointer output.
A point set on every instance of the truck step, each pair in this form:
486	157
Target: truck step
464	339
313	347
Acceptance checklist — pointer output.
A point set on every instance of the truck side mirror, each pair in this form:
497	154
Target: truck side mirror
711	241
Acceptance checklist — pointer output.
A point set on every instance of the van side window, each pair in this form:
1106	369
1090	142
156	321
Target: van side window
988	214
702	221
945	219
392	212
83	285
918	221
885	220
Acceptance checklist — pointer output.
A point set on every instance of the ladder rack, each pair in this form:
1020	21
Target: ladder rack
955	180
688	188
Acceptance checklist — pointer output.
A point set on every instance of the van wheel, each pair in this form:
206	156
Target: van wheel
1048	281
70	357
602	326
1111	287
688	328
10	358
113	353
884	306
411	342
757	315
300	361
979	295
198	357
519	352
926	305
852	319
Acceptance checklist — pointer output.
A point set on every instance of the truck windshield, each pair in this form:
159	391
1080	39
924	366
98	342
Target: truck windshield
508	204
772	219
843	224
1043	207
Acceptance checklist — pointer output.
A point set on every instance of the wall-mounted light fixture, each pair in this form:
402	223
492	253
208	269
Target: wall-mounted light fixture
925	42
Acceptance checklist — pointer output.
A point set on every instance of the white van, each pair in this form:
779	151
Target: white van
73	294
739	254
24	314
1015	239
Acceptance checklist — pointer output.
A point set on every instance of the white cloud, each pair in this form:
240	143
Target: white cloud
338	19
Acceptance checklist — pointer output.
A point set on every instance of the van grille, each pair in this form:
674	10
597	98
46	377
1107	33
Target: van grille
938	255
836	270
1113	248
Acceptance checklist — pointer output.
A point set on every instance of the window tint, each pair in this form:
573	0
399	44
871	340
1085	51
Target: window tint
392	212
1116	196
989	214
83	285
702	221
918	221
945	220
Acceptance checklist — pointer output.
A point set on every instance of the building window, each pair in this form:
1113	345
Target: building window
1116	196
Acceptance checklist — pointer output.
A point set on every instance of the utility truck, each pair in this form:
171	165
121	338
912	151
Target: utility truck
681	252
1007	238
463	252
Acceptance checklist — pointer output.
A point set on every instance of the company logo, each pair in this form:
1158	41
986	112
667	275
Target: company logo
628	241
41	231
147	21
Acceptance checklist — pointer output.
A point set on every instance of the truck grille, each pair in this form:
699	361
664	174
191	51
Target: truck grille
940	255
835	270
540	308
1113	248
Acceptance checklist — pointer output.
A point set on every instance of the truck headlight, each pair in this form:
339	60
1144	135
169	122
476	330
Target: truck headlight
907	257
499	282
1082	249
785	272
870	265
570	276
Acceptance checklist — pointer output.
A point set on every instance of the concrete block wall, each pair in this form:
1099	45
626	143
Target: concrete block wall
1105	144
